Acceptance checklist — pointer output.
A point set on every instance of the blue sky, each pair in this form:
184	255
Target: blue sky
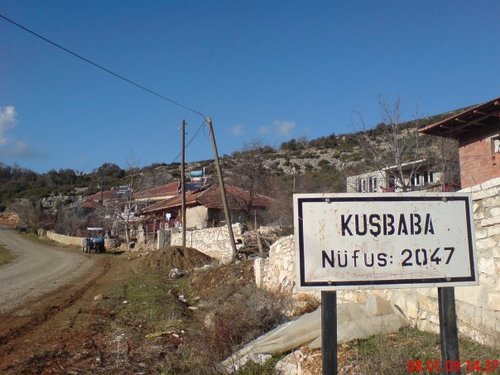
263	70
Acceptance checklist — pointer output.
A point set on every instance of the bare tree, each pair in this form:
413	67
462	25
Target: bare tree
118	214
398	151
390	146
31	213
247	170
70	219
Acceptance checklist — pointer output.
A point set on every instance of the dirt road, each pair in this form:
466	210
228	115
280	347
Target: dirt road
39	291
36	270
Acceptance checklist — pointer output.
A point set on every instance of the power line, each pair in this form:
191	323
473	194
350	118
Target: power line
196	133
123	78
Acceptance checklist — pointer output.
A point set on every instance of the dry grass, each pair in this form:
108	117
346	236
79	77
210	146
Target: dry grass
143	322
5	255
393	353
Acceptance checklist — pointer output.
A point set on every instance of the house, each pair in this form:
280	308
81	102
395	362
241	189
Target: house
416	175
204	207
158	193
100	197
477	130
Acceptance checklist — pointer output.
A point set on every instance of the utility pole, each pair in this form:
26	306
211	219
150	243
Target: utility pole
183	181
222	187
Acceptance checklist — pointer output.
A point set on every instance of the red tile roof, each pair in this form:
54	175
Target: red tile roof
237	199
92	200
158	192
104	196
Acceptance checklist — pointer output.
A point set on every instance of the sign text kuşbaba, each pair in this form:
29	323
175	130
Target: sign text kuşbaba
384	240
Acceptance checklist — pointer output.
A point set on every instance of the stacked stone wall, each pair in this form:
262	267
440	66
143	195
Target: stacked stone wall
74	241
65	240
478	307
213	242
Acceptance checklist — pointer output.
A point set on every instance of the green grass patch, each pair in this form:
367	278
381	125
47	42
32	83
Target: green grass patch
266	368
5	255
144	300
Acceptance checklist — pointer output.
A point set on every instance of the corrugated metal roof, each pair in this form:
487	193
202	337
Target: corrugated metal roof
481	116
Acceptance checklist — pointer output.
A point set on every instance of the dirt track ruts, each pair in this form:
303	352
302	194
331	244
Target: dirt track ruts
36	270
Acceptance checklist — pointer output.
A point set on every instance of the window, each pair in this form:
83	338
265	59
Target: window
495	144
372	184
428	177
415	179
361	185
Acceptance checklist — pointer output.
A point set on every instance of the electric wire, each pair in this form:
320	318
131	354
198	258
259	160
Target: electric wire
196	133
116	75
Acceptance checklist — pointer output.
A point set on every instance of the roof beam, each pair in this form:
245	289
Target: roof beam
475	121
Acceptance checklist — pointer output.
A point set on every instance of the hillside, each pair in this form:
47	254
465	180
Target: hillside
314	165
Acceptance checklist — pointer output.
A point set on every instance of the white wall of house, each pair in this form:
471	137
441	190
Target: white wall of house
196	217
376	181
369	182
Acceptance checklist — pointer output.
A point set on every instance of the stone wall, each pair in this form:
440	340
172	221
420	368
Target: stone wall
213	242
74	241
65	240
478	307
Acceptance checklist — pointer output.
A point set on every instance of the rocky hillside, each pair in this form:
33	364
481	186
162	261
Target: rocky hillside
337	155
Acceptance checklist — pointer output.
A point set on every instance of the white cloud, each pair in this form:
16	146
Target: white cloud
264	130
279	128
7	121
238	130
19	148
284	128
11	148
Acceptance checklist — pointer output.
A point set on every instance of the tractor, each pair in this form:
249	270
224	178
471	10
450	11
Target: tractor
94	242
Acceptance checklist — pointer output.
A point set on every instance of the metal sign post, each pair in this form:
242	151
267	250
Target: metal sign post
450	358
329	332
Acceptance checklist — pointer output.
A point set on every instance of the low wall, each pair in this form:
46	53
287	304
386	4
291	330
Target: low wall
213	242
65	240
478	307
75	241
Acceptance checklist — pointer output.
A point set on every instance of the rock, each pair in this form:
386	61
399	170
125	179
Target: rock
209	321
290	364
98	297
176	273
256	358
302	361
376	306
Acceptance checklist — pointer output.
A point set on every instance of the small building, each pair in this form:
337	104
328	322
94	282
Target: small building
417	175
158	193
477	130
204	207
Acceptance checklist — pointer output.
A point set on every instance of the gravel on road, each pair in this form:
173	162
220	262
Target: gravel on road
36	269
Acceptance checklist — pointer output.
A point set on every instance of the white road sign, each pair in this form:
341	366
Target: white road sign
385	240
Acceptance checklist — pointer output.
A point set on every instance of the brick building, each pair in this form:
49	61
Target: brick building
477	130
